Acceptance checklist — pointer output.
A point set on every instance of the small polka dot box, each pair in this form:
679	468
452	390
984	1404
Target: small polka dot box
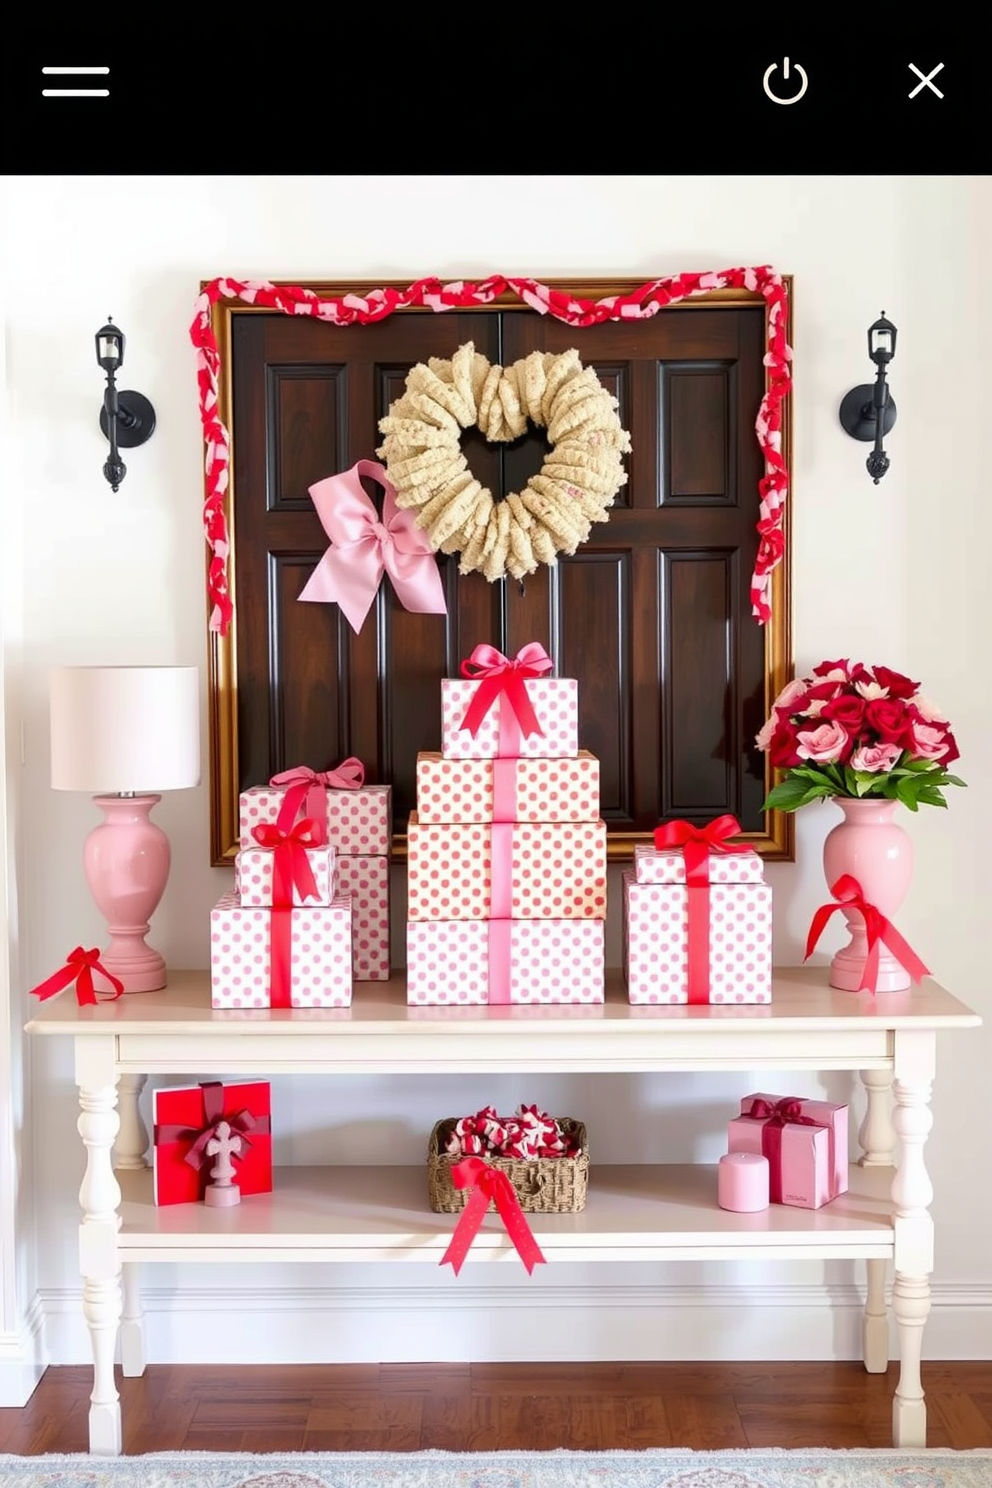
240	955
526	790
367	881
358	821
555	702
509	870
253	876
655	942
459	963
655	865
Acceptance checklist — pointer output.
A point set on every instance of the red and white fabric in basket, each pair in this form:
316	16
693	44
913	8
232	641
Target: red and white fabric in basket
508	870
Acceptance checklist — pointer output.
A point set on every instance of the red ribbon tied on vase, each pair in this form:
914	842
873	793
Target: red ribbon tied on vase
879	931
290	864
696	845
79	968
363	548
489	1183
240	1122
304	785
498	677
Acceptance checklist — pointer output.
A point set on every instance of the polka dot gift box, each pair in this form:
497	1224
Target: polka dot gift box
523	790
506	707
697	919
358	820
280	958
465	963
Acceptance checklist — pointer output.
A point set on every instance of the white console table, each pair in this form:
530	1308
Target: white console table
637	1213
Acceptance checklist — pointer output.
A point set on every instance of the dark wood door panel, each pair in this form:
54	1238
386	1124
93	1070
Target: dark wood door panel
652	614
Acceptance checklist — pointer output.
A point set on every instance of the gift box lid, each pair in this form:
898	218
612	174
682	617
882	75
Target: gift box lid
667	866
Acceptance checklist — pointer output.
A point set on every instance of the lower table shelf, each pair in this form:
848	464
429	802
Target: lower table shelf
359	1214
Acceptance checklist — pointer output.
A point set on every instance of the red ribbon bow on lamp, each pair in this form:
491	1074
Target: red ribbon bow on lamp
500	677
290	864
696	844
489	1183
311	786
79	968
363	548
880	931
241	1122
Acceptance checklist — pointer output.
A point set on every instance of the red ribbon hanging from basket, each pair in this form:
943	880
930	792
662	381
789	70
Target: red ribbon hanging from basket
489	1183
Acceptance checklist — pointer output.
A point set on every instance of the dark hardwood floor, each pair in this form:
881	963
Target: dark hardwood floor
480	1407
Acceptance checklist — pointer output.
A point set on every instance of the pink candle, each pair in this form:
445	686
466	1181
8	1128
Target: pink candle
742	1184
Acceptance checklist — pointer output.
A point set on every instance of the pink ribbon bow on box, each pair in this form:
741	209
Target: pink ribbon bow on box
489	1183
304	785
363	548
879	931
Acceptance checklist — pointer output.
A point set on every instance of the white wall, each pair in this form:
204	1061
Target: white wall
894	574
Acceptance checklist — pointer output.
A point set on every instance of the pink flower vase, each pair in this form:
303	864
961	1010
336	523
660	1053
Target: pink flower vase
874	849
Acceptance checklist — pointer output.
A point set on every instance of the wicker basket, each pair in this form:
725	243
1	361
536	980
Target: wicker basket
543	1185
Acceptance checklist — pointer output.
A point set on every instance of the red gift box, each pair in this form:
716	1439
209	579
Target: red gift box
185	1119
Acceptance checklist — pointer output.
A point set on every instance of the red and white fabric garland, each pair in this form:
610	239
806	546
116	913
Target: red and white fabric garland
431	294
529	1134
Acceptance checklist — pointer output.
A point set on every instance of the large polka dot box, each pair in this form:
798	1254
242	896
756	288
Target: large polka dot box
656	929
510	870
506	790
243	941
357	821
556	707
466	963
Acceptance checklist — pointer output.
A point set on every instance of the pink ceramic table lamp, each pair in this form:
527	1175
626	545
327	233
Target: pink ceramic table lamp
123	733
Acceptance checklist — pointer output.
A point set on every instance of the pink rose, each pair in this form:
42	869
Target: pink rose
793	692
875	757
767	733
928	743
927	710
824	745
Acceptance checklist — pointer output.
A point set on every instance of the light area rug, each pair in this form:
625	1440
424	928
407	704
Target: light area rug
662	1468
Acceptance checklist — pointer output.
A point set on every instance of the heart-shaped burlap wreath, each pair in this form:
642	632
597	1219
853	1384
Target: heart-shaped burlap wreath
555	511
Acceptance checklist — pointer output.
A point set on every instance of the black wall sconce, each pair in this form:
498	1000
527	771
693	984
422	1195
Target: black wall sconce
868	412
126	418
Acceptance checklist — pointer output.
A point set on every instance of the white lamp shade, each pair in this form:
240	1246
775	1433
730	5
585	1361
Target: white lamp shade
117	729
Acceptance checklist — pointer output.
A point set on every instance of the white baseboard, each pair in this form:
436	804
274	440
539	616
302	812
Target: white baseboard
24	1356
484	1324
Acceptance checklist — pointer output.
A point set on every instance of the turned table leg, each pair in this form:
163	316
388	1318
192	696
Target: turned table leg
912	1194
877	1140
99	1198
129	1154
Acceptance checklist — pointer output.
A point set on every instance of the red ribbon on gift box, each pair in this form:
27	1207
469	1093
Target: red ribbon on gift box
696	844
290	864
304	785
880	931
79	968
489	1183
240	1122
499	677
785	1112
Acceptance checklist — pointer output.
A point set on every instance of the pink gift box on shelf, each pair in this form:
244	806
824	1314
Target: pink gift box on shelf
269	958
656	942
665	866
506	870
366	880
555	703
823	1159
358	821
254	876
464	963
502	790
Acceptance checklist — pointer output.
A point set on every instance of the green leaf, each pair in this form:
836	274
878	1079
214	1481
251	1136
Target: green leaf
788	795
953	780
930	796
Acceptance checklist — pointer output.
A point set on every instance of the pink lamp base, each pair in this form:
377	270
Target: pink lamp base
127	859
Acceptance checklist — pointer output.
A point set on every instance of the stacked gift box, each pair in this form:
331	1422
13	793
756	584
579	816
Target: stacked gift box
697	919
506	867
357	822
283	937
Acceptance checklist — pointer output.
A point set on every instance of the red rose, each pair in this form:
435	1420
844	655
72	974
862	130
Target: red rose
888	718
824	690
832	666
782	751
898	686
848	710
953	752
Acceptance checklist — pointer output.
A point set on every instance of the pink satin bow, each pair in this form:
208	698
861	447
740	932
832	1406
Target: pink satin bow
311	786
500	676
363	548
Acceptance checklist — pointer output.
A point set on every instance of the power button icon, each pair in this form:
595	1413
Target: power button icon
792	94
